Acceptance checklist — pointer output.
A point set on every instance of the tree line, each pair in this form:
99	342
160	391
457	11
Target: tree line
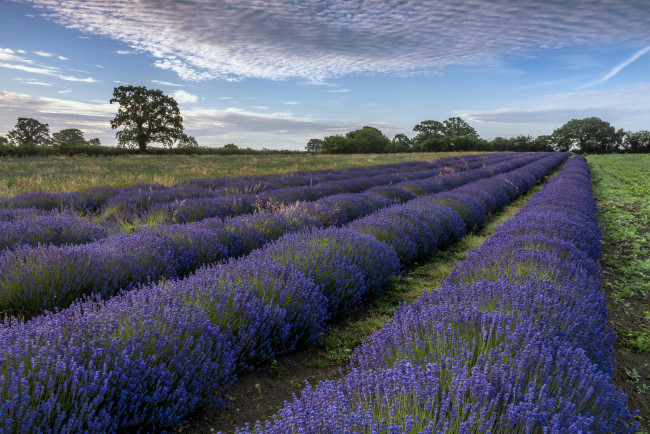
149	116
585	136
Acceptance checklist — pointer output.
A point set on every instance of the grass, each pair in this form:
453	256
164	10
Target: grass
19	175
622	190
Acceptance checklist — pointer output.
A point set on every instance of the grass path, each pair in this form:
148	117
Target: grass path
622	190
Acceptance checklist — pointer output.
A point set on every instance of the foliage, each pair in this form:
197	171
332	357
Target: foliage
368	140
29	132
314	145
149	116
458	127
401	143
587	136
336	144
637	142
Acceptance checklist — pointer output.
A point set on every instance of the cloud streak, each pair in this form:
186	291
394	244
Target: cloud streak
611	105
317	39
618	68
10	60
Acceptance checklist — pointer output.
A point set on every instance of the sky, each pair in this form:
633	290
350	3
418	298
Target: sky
275	73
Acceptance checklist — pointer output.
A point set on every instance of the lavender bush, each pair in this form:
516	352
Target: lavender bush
516	339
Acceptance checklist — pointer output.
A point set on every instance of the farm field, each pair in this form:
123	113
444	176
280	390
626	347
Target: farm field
194	285
259	395
526	304
19	175
622	189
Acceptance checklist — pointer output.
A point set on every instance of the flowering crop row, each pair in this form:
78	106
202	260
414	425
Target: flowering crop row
147	358
34	226
137	197
515	340
35	279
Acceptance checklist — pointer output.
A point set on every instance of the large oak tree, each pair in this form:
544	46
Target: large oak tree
148	116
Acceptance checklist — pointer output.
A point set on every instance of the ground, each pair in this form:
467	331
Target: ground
622	191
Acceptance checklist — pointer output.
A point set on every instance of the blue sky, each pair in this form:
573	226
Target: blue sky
274	73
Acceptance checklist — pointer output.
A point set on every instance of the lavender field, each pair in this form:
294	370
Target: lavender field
132	308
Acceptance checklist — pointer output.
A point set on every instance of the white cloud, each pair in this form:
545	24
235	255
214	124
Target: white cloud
166	83
63	92
626	104
9	60
291	103
316	39
33	82
184	97
260	107
43	54
62	58
615	70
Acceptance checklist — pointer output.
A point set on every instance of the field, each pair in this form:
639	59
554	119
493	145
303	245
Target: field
19	175
458	294
622	189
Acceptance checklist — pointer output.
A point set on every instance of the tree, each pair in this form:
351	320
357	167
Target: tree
336	145
401	143
67	138
314	145
588	135
94	142
4	143
30	132
149	116
428	129
367	140
637	142
458	127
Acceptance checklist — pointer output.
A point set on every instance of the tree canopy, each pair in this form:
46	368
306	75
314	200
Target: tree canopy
29	132
589	135
148	116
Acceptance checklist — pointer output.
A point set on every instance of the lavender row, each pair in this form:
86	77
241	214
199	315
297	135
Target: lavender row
198	208
33	280
421	226
515	340
96	198
46	228
33	227
149	357
192	202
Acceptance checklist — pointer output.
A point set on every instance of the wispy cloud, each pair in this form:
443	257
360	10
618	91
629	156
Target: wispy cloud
317	39
33	82
615	70
43	54
166	83
10	59
611	105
